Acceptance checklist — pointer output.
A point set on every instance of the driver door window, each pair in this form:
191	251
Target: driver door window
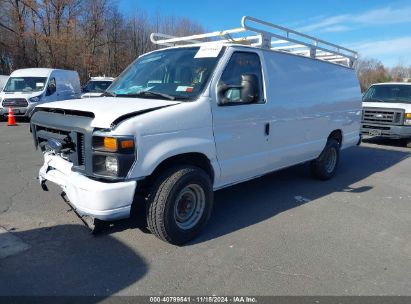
241	63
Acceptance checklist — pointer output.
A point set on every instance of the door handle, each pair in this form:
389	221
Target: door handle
267	129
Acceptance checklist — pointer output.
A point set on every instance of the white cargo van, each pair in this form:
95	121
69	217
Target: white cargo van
96	86
27	88
387	111
184	121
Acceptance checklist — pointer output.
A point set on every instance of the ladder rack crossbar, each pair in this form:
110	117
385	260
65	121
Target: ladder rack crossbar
274	37
287	30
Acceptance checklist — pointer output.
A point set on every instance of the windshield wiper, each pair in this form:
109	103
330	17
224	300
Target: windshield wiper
149	94
184	98
109	94
374	99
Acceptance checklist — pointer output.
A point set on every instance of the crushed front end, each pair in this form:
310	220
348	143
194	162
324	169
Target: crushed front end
72	162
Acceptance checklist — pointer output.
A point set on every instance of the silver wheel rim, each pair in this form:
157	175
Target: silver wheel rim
189	206
331	160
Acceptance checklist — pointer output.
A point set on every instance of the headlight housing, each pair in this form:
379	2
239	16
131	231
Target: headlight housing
124	144
35	99
113	156
407	119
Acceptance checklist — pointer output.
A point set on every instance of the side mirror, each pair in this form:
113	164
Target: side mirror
249	88
247	91
51	89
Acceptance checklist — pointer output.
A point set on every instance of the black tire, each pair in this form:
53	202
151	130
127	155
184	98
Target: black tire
408	143
325	166
99	226
171	193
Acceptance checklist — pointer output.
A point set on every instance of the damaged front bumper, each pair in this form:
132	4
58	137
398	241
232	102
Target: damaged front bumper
101	200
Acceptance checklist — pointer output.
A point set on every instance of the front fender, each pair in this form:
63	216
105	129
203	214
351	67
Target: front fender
154	149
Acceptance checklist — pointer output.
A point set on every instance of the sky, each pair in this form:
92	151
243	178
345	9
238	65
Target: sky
374	28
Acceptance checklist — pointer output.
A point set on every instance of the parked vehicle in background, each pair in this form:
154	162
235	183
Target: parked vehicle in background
183	121
387	111
27	88
96	86
3	80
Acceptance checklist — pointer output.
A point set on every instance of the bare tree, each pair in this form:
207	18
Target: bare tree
90	36
400	72
371	71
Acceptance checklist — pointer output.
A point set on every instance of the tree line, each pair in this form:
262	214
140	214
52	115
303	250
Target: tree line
90	36
94	38
371	71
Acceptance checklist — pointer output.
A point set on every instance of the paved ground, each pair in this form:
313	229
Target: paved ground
283	234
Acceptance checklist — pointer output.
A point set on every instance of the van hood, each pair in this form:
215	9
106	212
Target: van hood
388	105
25	95
107	110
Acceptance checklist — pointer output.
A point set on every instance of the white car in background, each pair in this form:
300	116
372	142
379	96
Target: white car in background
96	86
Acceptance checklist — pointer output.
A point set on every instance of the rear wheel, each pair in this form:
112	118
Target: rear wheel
180	204
325	166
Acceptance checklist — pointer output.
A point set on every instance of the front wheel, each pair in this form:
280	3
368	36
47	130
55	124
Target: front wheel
325	166
180	204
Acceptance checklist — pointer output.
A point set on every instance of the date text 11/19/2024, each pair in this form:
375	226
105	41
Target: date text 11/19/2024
203	299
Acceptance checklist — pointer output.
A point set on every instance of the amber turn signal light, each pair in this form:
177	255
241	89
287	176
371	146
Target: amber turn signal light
110	143
127	144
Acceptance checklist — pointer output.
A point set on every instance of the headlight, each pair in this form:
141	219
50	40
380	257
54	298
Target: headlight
35	98
113	156
407	119
111	165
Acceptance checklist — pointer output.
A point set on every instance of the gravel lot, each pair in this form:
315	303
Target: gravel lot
282	234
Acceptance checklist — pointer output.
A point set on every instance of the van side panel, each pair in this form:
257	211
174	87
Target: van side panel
68	84
75	86
309	99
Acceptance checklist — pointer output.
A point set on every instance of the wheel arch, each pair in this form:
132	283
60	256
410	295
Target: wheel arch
337	135
197	159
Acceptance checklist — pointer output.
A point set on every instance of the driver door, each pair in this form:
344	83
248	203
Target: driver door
241	130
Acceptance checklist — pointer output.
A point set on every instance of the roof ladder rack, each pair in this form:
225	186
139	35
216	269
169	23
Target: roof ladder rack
267	35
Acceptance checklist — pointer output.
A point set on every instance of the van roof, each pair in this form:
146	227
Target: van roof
38	72
392	83
101	78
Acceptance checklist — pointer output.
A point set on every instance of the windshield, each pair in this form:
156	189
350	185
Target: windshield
25	84
94	86
170	74
388	93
